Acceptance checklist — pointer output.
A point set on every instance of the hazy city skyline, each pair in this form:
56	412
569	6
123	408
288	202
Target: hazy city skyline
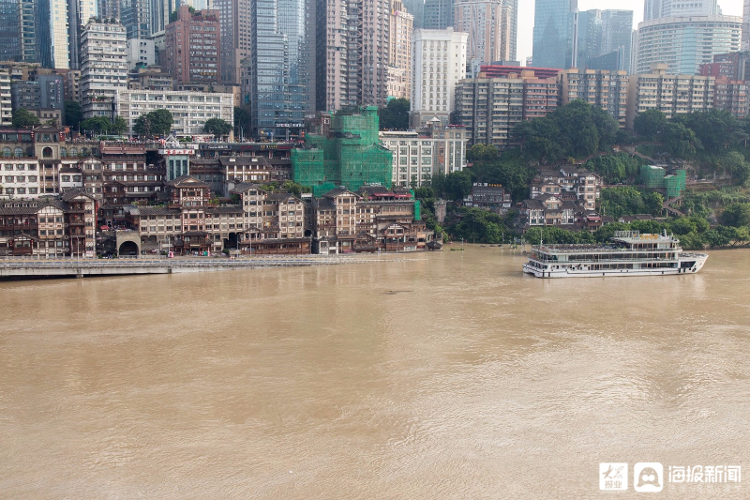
526	17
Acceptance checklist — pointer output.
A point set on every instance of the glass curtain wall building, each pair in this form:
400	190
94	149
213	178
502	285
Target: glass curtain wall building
278	68
553	33
10	31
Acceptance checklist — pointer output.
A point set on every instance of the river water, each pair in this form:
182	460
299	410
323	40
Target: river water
449	376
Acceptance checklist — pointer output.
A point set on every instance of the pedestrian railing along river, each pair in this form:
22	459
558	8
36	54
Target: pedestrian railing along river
20	267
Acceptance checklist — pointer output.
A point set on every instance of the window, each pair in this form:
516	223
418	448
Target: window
46	152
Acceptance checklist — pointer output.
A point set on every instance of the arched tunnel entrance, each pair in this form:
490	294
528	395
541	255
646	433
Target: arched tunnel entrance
128	248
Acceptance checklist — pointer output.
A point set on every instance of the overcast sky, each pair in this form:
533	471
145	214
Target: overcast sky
526	16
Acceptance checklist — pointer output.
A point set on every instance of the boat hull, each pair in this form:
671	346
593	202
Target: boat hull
565	271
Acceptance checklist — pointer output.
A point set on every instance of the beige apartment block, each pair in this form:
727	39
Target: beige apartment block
671	94
602	88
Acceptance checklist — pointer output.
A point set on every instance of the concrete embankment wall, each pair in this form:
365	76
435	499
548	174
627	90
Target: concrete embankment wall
32	268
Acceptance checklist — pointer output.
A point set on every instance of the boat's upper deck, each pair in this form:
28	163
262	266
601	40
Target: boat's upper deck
622	241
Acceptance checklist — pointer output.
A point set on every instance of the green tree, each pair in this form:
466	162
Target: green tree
681	141
157	122
395	115
650	124
734	164
119	126
24	119
242	120
217	126
97	125
736	215
457	185
575	130
715	129
73	114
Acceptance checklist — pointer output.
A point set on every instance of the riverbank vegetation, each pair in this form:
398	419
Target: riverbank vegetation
712	146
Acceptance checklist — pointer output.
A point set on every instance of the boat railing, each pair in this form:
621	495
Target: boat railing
601	249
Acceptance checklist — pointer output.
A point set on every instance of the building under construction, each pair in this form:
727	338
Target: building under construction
347	154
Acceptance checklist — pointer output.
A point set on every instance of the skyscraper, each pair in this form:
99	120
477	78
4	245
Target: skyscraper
654	9
234	19
335	79
684	43
438	14
374	38
136	17
399	51
488	23
746	25
52	33
553	33
280	91
416	9
10	30
104	67
617	34
28	40
192	47
79	12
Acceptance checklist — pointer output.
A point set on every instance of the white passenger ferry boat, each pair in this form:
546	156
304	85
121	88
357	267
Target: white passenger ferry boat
629	254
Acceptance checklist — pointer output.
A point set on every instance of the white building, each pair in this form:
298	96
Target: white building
439	63
6	111
655	9
684	43
19	178
140	51
190	110
104	67
417	156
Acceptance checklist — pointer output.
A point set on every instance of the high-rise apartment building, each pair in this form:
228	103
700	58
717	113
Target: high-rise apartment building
192	48
655	9
136	17
438	14
684	43
235	22
336	78
439	64
104	67
745	25
732	96
669	93
79	12
109	9
554	24
488	24
399	52
373	39
6	111
490	108
605	89
280	91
